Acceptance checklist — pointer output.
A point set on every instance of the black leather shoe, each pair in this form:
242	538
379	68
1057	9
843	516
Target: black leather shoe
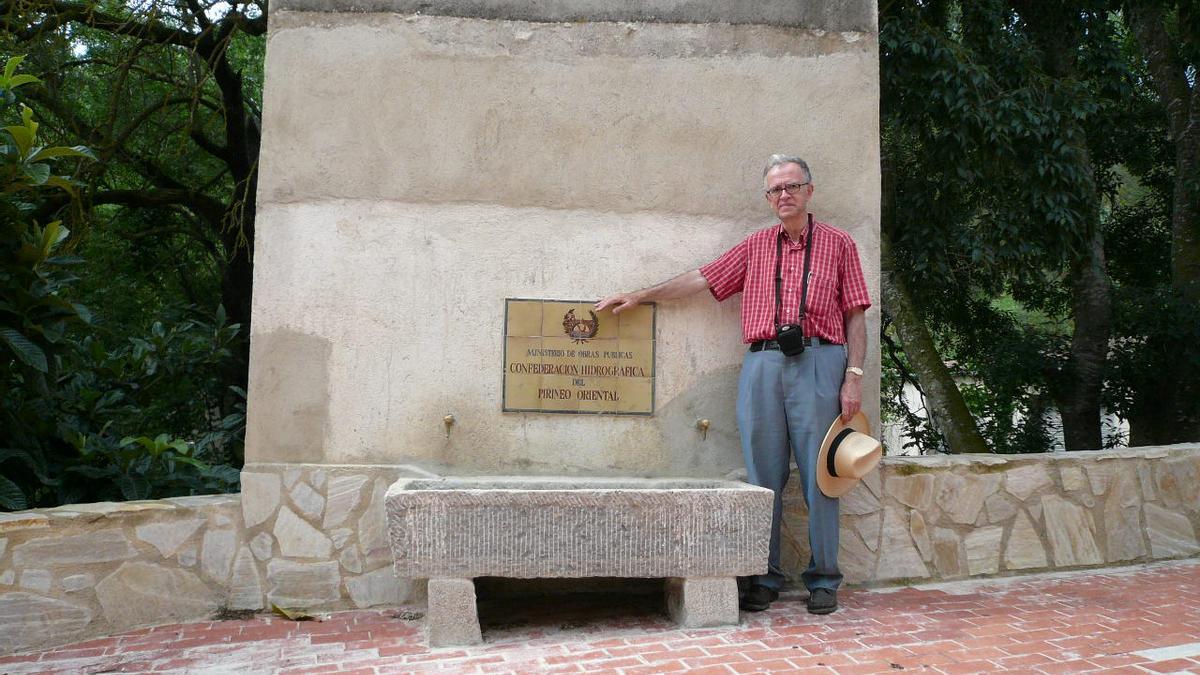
822	601
758	598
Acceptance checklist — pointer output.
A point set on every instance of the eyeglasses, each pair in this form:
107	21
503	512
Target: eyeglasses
792	188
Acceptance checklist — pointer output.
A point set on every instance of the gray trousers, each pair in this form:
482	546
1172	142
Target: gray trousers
785	406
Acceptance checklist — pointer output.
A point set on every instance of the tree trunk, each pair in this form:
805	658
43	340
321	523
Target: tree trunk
947	409
1170	413
1079	400
1056	30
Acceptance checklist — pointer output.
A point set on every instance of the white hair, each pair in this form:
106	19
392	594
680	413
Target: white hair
780	159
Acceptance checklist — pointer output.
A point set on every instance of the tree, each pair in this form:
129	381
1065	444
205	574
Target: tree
33	314
167	93
1164	404
64	397
990	127
1058	32
947	410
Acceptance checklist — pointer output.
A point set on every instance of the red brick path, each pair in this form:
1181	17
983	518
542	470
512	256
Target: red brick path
1134	620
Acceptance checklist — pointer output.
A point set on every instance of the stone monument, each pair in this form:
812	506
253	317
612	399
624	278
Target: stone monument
426	164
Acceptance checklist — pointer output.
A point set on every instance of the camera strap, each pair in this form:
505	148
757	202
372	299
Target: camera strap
808	247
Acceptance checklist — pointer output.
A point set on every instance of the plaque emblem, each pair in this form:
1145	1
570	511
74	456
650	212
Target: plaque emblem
580	330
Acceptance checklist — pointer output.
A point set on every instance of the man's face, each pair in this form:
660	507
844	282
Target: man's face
788	205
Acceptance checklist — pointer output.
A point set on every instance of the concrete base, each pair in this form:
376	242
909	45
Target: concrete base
453	618
703	601
526	527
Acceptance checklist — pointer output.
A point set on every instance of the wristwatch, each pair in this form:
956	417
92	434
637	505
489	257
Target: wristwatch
854	369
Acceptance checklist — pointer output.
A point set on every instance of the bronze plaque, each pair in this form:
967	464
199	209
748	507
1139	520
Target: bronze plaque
562	356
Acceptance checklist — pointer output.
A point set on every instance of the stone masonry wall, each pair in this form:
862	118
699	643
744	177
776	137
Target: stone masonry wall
950	517
302	537
314	537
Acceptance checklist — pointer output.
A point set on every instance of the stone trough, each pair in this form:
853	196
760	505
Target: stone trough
697	534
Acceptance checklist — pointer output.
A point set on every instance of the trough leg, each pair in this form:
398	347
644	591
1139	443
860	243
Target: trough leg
453	618
698	602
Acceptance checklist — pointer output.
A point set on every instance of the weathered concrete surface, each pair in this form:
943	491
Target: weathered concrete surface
367	329
292	392
453	618
563	527
834	15
703	602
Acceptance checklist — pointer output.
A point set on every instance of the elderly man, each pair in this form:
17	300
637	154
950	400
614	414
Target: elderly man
802	284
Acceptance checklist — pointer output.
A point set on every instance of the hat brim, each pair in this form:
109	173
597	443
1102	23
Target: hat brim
833	486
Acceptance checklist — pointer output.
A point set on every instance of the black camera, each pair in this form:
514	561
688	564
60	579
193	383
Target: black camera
791	340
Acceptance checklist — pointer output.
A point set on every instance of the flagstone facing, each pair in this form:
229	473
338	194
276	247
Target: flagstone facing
298	539
260	496
1025	550
951	516
245	587
78	582
142	594
1070	529
168	535
94	569
983	550
92	547
217	553
949	554
899	558
963	496
1072	478
307	500
1171	534
27	618
345	493
302	585
1026	480
999	508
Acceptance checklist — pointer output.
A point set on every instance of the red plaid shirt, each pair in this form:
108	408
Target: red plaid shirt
836	283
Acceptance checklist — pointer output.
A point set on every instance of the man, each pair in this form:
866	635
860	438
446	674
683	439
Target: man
789	400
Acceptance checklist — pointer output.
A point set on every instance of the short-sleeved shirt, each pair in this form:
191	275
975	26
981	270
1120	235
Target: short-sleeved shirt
836	281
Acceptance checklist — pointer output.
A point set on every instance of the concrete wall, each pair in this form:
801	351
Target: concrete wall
313	537
417	169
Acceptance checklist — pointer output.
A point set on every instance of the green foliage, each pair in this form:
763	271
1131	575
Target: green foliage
1157	332
984	145
143	468
170	96
75	395
989	128
33	313
81	427
1002	157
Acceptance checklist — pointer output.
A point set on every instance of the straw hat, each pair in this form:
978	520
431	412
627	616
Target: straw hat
847	454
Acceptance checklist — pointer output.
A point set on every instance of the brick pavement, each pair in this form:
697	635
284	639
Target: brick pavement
1132	620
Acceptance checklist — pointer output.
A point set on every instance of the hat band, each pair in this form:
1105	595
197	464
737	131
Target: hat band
829	464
